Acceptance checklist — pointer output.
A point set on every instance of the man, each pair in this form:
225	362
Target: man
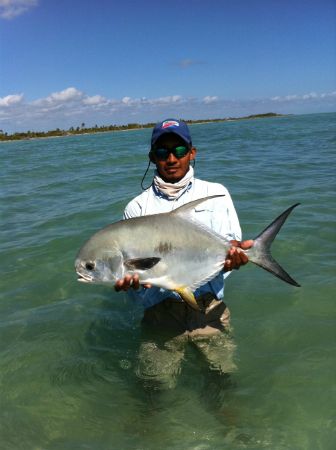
169	320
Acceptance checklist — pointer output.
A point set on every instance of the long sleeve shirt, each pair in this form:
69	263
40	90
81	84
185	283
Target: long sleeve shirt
218	214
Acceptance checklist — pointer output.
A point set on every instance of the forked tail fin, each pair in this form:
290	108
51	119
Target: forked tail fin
260	253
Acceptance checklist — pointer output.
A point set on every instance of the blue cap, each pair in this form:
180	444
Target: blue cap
171	126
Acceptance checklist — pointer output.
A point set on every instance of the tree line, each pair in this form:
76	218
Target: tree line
83	129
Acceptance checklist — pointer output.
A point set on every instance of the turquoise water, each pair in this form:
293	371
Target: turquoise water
68	350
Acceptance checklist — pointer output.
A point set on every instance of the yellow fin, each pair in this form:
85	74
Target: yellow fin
187	296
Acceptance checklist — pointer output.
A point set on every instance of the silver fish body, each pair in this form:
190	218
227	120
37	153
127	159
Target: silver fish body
169	250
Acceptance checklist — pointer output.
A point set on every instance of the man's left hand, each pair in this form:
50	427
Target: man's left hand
235	256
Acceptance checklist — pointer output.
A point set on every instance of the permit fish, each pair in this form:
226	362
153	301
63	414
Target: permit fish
170	250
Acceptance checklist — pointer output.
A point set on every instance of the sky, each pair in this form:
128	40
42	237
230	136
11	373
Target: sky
68	62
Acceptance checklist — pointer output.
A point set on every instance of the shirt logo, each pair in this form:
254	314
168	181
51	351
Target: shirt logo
170	123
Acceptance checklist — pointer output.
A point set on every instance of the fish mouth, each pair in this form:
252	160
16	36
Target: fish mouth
84	278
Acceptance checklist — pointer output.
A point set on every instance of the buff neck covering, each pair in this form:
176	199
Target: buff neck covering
173	190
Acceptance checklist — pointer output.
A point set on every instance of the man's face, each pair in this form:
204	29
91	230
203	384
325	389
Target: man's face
172	169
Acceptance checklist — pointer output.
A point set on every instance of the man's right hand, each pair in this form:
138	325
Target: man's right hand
128	282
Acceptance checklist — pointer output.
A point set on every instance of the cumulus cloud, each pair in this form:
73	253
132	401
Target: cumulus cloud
95	100
67	107
310	96
127	101
143	101
169	99
13	8
66	95
210	99
10	100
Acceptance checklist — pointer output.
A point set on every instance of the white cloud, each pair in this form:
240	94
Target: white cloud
13	8
127	101
11	100
71	107
210	99
95	100
310	96
143	101
169	99
66	95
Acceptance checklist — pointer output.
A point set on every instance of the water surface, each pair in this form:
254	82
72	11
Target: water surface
68	351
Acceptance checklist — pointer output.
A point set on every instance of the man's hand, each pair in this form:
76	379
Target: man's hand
235	257
129	282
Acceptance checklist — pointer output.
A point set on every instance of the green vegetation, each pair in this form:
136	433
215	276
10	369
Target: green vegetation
96	129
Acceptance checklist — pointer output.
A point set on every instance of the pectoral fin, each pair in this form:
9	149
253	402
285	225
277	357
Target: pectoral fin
187	296
141	263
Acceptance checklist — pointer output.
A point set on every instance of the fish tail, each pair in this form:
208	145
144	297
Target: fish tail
260	252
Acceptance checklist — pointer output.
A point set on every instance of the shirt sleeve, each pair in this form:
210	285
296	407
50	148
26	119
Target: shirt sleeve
220	215
224	219
133	209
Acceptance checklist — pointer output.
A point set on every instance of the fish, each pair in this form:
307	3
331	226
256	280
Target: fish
170	250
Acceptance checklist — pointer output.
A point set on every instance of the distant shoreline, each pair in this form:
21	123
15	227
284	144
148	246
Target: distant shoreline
29	135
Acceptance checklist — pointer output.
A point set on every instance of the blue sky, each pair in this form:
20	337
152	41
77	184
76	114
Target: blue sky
102	62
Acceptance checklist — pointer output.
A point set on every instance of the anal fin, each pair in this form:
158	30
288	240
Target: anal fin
187	296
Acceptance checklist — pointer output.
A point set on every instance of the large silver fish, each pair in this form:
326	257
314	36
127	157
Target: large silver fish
170	250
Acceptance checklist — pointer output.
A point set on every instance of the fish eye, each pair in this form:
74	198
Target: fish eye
89	266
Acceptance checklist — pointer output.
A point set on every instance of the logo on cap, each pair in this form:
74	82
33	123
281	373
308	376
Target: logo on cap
170	123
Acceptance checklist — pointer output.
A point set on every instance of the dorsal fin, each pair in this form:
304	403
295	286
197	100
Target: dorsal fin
188	207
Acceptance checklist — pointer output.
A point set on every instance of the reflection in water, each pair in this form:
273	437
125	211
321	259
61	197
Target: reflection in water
149	362
143	381
160	359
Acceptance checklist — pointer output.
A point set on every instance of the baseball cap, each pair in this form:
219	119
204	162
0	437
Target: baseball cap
171	126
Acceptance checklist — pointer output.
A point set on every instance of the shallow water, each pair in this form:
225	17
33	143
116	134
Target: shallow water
68	351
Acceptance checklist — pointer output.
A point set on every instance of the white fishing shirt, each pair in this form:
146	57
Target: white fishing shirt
218	214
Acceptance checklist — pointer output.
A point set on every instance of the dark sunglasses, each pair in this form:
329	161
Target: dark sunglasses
179	152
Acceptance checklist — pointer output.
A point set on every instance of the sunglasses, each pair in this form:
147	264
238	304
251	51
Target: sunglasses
179	152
